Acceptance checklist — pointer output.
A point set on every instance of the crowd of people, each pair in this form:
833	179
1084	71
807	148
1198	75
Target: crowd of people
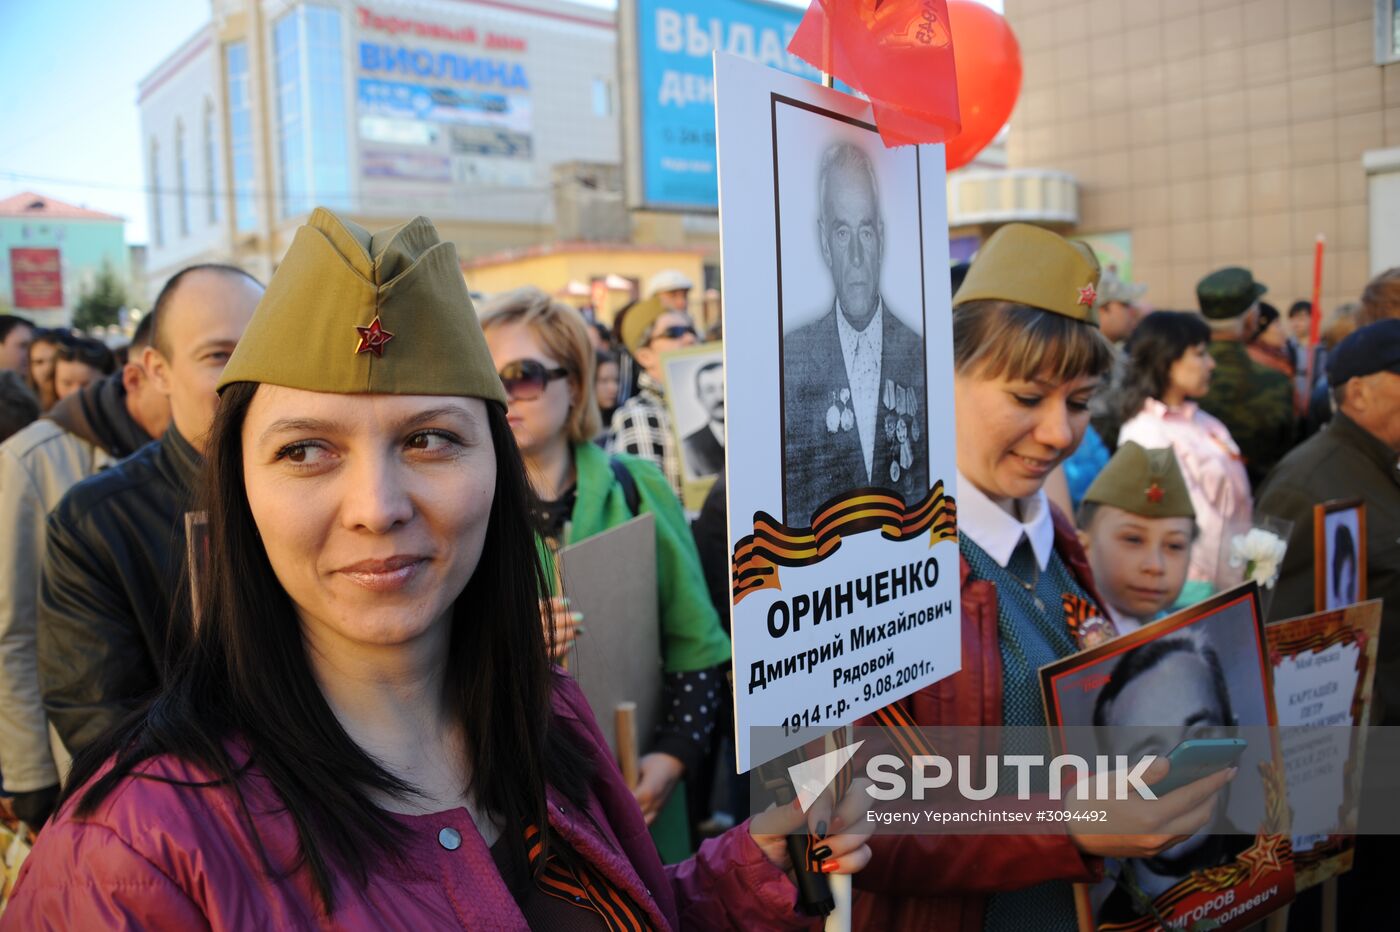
39	368
277	623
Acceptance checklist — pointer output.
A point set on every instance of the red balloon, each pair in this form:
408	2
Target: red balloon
988	62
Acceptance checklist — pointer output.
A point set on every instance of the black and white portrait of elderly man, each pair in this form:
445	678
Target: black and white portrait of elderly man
854	406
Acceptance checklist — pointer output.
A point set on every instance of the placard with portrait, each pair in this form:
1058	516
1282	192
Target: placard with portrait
1201	673
1339	532
838	373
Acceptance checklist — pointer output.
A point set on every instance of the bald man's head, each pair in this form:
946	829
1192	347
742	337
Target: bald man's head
199	317
172	286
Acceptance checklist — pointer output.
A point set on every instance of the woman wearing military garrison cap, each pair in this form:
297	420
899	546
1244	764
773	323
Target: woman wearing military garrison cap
1028	355
366	732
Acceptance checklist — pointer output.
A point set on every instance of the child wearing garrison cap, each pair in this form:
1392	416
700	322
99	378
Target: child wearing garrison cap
1137	525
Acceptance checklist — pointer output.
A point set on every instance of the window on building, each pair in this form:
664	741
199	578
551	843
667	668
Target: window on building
182	190
240	137
1387	31
153	177
211	174
312	125
602	97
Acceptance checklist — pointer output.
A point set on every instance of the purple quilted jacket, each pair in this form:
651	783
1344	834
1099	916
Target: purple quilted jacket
158	856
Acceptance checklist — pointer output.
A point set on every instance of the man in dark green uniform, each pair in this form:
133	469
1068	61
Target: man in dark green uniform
1255	402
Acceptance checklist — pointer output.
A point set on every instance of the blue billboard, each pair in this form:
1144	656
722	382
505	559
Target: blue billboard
673	141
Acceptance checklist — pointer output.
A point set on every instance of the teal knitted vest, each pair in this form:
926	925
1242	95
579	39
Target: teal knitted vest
1030	634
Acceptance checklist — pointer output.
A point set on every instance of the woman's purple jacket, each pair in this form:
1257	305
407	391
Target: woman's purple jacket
156	855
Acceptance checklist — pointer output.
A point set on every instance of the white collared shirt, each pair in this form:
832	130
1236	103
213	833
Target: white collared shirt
997	531
862	351
1124	623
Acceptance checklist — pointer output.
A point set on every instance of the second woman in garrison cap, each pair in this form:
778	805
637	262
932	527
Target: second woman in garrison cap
1028	355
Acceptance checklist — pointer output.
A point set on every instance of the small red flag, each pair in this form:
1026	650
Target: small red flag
899	53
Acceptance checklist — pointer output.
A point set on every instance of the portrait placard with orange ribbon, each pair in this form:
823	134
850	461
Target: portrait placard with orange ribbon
840	470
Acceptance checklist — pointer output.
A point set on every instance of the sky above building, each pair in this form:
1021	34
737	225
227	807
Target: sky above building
71	128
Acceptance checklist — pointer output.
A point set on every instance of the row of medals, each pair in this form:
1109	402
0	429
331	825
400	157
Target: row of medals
901	423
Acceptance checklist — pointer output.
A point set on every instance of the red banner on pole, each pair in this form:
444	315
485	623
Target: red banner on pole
1314	333
36	278
899	53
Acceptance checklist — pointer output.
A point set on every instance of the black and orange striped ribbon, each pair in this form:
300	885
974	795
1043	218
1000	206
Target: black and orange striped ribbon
1208	880
903	730
757	556
583	887
1313	642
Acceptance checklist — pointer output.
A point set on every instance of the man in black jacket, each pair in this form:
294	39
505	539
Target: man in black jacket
1355	456
109	622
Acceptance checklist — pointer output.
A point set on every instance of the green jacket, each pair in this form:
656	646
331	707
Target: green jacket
1255	403
691	636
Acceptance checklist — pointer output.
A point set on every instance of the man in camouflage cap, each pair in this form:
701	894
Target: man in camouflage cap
1254	401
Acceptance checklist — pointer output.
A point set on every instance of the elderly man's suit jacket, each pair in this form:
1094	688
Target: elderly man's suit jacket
819	463
703	453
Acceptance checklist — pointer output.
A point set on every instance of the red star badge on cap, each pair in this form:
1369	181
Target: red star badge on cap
373	338
1155	494
1087	294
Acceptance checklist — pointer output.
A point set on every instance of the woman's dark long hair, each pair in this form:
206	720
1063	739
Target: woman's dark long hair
1161	338
1344	550
246	675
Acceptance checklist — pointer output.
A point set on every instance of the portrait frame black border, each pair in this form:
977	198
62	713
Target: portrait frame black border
1320	561
1194	614
774	100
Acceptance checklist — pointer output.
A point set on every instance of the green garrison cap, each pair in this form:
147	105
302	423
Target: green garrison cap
353	313
638	320
1227	292
1143	482
1028	265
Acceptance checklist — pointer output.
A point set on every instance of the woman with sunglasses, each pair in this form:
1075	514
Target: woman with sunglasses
366	732
545	360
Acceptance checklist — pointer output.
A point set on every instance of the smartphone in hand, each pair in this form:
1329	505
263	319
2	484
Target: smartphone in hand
1195	758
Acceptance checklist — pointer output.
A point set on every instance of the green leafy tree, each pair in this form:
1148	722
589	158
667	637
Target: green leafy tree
99	305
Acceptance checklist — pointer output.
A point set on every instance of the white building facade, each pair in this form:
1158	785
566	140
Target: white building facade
457	109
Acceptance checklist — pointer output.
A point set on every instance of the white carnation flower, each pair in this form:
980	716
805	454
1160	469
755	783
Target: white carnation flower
1260	552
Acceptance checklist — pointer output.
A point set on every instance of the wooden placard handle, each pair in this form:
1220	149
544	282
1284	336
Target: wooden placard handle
625	725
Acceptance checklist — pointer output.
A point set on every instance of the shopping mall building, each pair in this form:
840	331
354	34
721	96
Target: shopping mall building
1173	137
493	118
